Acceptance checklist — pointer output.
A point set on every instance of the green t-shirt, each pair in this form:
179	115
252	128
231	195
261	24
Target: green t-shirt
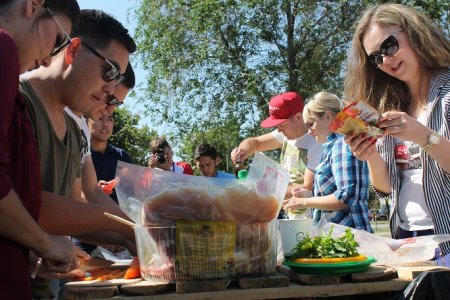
60	159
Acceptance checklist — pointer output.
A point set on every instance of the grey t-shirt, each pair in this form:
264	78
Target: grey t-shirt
60	159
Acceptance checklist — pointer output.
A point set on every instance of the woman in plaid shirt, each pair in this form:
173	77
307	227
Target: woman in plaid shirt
341	181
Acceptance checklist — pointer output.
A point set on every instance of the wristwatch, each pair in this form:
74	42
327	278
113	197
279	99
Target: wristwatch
434	139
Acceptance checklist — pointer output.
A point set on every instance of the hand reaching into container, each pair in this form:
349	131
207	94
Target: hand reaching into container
294	203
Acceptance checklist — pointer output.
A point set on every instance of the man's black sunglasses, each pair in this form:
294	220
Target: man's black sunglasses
113	73
113	101
387	48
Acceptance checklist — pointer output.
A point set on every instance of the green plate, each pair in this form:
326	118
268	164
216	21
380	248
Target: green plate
331	268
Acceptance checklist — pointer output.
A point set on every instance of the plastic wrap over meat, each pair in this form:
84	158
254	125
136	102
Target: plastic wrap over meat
238	203
157	199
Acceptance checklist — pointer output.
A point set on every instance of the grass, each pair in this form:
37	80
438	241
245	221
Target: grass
381	228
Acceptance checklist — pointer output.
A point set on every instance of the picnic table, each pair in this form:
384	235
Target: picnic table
283	287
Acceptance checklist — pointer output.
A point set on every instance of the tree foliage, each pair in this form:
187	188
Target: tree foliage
210	62
130	137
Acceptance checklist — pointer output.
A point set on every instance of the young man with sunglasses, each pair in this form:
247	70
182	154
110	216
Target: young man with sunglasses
400	64
90	189
101	159
81	76
300	153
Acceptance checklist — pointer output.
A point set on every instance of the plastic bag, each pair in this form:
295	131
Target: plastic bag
156	200
386	250
171	196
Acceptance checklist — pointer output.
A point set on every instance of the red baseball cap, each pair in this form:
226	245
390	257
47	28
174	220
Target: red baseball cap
282	107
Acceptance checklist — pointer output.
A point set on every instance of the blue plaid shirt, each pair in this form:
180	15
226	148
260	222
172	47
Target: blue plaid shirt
347	178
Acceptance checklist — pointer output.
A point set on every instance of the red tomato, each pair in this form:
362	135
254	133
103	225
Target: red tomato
133	270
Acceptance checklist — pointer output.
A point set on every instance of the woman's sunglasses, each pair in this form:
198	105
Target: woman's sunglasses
113	72
387	48
61	43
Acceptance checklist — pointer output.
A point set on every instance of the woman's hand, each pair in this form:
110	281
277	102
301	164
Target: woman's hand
403	126
294	203
362	147
301	192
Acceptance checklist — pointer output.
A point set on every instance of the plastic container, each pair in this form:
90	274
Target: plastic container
331	268
206	255
293	231
156	252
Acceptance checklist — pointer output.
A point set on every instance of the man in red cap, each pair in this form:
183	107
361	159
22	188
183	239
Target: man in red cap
300	152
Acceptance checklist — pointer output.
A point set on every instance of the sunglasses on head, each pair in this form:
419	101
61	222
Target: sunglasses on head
113	101
113	72
387	48
61	43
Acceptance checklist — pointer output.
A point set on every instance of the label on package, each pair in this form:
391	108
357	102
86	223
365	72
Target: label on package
205	249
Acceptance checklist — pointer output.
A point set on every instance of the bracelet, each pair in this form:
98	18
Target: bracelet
36	269
385	198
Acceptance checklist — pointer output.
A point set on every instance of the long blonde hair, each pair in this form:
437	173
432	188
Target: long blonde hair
319	104
367	83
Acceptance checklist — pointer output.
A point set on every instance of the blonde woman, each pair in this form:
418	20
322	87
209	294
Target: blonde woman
399	63
341	181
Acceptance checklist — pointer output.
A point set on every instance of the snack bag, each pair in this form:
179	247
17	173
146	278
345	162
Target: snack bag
358	117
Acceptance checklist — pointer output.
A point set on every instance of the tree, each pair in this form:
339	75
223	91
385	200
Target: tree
133	139
217	60
209	61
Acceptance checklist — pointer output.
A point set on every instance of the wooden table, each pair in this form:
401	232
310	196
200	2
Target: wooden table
293	291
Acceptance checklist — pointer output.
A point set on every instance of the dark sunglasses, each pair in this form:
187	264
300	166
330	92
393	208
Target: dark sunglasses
113	73
387	48
113	101
61	44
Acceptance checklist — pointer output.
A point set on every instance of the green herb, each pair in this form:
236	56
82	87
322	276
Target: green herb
326	246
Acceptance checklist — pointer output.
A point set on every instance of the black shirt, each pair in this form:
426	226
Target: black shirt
105	164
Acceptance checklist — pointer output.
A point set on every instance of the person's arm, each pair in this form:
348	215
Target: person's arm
379	174
329	203
18	225
63	216
308	179
108	238
76	190
249	146
350	175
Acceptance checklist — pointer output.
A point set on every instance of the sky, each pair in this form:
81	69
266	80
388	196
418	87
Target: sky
120	10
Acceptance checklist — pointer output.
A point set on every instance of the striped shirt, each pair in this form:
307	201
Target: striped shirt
347	178
436	182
